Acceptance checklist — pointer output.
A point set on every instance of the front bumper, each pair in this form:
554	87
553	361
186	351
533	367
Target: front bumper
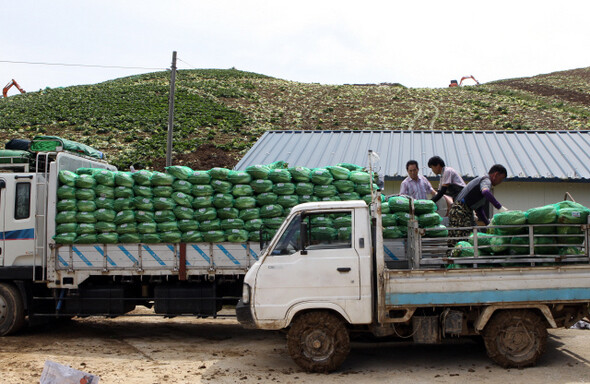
244	314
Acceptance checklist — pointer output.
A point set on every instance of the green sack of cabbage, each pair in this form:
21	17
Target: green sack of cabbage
105	177
367	199
365	189
300	174
105	214
483	242
165	215
258	171
171	237
142	177
192	237
287	201
203	214
188	225
343	221
338	173
222	186
463	249
271	210
284	188
199	178
424	206
388	219
308	198
239	177
162	203
104	191
107	238
279	176
344	234
325	190
245	202
124	192
179	171
67	178
384	207
182	199
324	233
202	190
249	214
359	177
572	216
542	245
85	228
124	179
279	164
392	232
227	224
509	218
214	236
87	171
570	204
266	198
351	196
167	226
399	204
571	251
66	228
181	186
437	231
219	173
66	205
228	213
542	215
543	229
237	235
321	176
85	194
122	204
222	200
202	202
86	238
85	181
569	230
143	191
351	167
85	217
240	190
105	226
65	238
402	218
144	216
344	186
147	227
210	225
304	188
253	225
261	185
500	245
103	202
126	216
183	212
126	228
128	238
144	203
321	221
429	220
162	191
150	238
66	192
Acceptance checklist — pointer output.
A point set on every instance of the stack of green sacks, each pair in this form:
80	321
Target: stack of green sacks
395	223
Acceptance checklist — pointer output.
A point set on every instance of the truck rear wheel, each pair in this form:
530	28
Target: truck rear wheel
515	338
12	313
318	342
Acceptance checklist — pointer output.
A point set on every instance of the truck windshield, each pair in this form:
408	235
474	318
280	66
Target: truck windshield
289	241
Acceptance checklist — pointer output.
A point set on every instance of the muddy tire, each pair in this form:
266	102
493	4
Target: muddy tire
318	342
12	313
516	338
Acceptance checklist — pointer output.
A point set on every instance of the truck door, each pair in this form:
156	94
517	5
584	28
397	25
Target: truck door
325	270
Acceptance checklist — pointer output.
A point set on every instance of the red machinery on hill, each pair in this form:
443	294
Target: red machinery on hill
9	85
455	84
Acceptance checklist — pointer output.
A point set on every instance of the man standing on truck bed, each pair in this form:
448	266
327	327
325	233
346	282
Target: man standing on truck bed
473	198
415	185
451	183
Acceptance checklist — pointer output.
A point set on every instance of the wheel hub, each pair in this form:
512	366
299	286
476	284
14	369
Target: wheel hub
318	345
517	340
3	309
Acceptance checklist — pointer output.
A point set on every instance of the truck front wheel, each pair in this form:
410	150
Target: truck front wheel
12	314
318	342
515	338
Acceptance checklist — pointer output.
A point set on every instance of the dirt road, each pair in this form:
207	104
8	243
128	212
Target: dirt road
187	350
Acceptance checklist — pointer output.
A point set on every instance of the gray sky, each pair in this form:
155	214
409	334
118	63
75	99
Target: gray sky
415	43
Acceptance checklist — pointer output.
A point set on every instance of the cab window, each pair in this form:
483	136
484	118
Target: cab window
22	204
290	239
329	231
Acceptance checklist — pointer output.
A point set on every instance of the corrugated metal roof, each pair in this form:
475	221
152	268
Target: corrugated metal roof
527	155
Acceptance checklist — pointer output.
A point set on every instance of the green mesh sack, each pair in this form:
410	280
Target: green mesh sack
279	176
183	212
85	181
192	237
105	226
86	238
300	174
124	179
254	236
364	189
399	204
344	234
182	186
161	178
142	177
239	177
271	210
164	216
392	232
163	203
147	227
572	216
85	217
339	173
483	242
129	238
570	251
240	190
245	202
66	228
65	238
344	186
214	236
144	216
280	164
67	178
219	173
103	202
228	213
167	226
202	190
122	217
359	177
188	225
199	178
321	176
388	219
124	192
237	235
85	228
308	198
122	204
325	190
542	215
509	218
261	185
350	196
367	199
437	231
304	188
232	224
202	202
143	191
288	201
221	186
249	214
429	220
182	199
266	198
500	245
203	214
343	221
253	225
463	249
66	205
171	237
258	171
163	191
105	177
284	188
273	222
103	214
150	238
66	192
85	194
321	221
569	204
545	246
126	228
569	230
324	233
86	171
424	206
350	167
107	238
223	200
384	207
402	218
179	171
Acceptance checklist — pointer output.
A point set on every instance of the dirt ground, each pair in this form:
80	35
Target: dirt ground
187	350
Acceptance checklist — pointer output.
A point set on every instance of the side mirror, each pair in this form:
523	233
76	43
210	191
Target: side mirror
303	237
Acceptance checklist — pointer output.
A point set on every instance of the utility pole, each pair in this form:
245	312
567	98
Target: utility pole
171	111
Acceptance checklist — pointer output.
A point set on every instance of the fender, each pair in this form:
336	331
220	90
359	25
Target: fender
487	313
300	307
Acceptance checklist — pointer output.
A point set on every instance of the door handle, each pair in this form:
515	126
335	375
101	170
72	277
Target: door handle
343	269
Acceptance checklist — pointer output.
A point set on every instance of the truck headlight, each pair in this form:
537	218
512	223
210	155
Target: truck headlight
246	294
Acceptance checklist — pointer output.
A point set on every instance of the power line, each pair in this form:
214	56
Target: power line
81	65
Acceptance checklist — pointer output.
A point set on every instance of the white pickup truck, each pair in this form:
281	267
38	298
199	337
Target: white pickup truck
322	290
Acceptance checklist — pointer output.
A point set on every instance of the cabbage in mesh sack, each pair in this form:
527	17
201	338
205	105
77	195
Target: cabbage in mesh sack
214	236
124	179
339	173
105	214
122	204
221	186
171	237
147	227
388	219
359	177
344	186
424	206
103	202
261	185
392	232
67	178
569	230
188	225
167	226
85	228
183	212
437	231
85	181
249	214
65	238
353	196
179	171
124	192
182	199
66	228
304	188
163	203
162	191
288	201
203	214
429	220
202	202
107	238
300	174
253	225
237	235
165	215
66	205
399	204
126	228
273	222
150	238
202	190
85	217
258	171
129	238
245	202
142	177
321	176
223	200
266	198
228	213
542	215
143	191
182	186
105	177
199	178
325	190
85	194
324	233
104	191
219	173
279	176
144	203
350	167
572	216
239	177
192	237
66	192
86	238
242	190
105	226
284	188
271	210
232	224
144	216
